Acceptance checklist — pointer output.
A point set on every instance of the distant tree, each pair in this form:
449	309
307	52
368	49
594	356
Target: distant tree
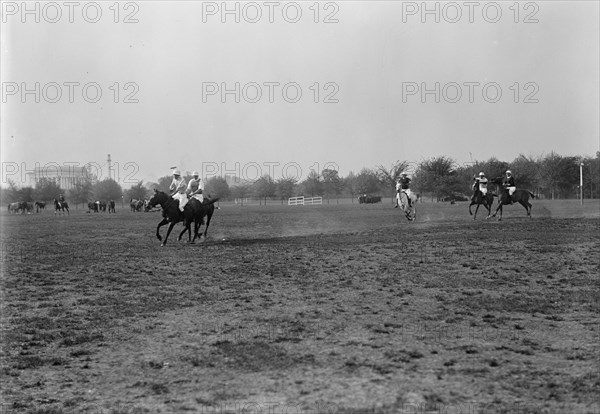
349	185
437	176
264	188
241	191
26	194
217	187
164	183
332	184
367	182
47	189
107	189
312	184
559	175
137	191
82	192
285	188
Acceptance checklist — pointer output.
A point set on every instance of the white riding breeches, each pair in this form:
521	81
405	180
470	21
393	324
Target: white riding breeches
182	198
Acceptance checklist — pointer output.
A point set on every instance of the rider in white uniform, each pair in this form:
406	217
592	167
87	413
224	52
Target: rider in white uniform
178	187
195	187
480	182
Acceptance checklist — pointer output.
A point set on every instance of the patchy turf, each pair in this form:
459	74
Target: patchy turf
339	308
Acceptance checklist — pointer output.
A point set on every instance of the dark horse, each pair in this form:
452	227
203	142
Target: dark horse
193	211
111	207
519	196
61	206
40	205
479	199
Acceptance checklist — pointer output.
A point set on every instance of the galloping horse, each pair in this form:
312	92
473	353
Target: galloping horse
61	206
519	196
409	210
172	214
206	208
486	200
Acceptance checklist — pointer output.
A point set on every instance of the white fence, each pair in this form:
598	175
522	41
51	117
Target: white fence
304	201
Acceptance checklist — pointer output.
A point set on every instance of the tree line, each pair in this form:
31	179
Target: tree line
438	178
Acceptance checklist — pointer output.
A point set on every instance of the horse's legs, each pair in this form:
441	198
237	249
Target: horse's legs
208	217
162	223
168	232
476	210
472	202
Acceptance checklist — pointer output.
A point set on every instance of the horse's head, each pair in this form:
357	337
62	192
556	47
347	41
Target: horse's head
157	198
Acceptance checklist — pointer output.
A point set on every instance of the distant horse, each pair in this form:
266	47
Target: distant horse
172	214
40	205
206	208
486	200
136	205
102	206
14	207
92	207
26	207
519	196
61	206
111	207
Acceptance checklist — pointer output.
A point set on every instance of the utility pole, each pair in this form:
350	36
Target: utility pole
109	166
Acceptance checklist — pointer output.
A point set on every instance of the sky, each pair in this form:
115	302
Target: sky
343	85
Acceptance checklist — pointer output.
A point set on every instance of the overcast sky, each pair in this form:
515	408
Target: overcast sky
371	61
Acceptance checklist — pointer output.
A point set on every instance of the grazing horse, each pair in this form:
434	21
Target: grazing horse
26	207
486	200
14	207
61	206
111	207
40	205
172	214
92	207
519	196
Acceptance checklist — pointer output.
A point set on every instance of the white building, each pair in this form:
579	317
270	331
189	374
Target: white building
64	175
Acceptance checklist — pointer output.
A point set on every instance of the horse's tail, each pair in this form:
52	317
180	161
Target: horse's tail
212	201
531	194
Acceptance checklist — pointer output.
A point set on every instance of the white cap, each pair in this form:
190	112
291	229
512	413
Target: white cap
176	172
481	173
508	172
196	173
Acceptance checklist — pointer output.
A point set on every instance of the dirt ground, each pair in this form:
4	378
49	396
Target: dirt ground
307	309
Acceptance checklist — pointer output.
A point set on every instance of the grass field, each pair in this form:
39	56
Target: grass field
340	308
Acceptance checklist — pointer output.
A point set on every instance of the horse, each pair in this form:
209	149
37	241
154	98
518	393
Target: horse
136	205
26	207
409	210
200	210
40	205
102	206
61	206
111	207
172	214
14	207
479	199
92	207
504	198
